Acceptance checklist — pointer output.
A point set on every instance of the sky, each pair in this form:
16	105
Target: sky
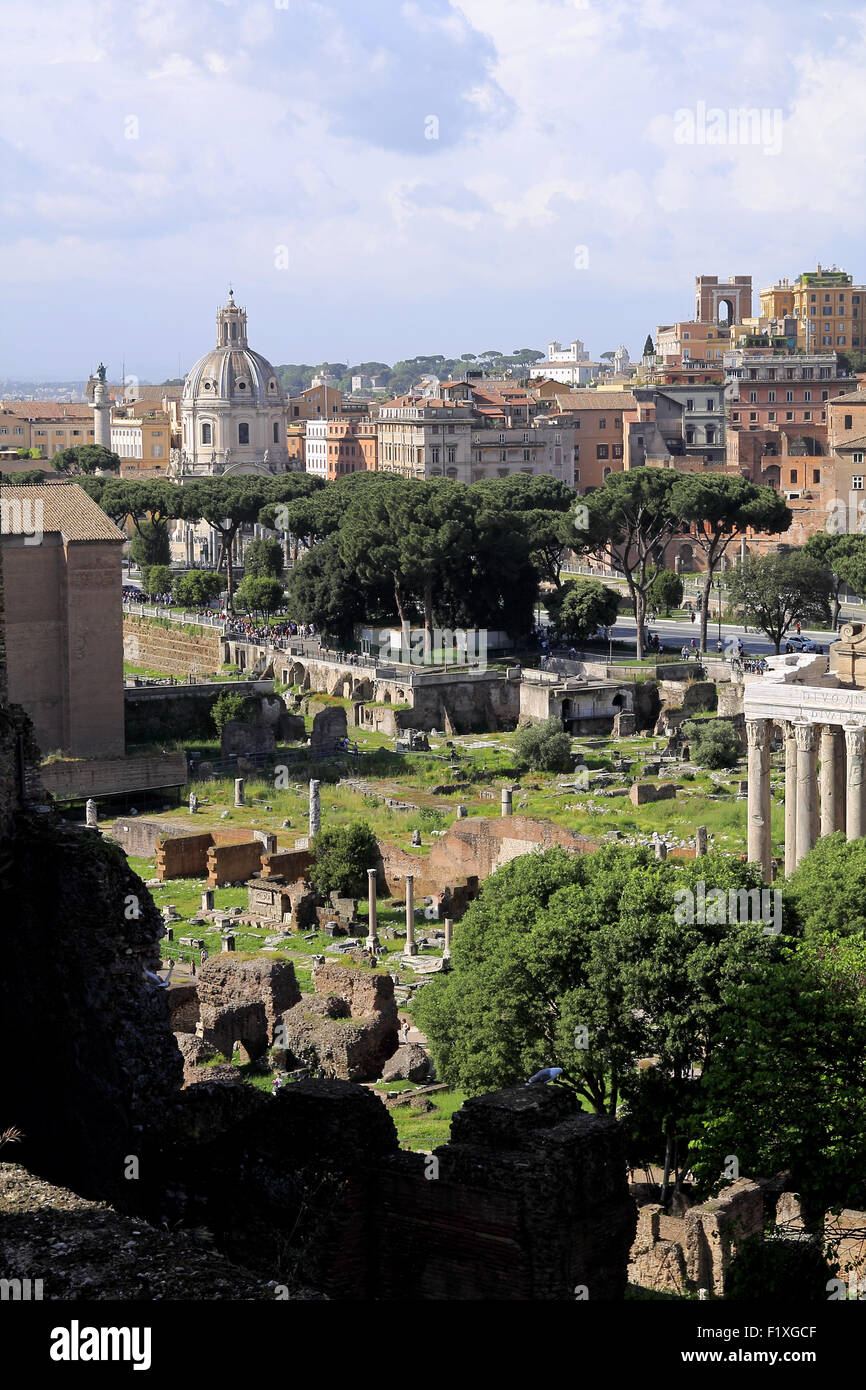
382	178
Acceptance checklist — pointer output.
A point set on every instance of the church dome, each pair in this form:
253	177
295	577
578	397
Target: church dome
234	412
232	371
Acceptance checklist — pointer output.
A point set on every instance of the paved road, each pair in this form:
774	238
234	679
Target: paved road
673	632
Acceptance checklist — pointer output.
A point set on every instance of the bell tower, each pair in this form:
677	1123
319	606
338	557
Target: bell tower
231	324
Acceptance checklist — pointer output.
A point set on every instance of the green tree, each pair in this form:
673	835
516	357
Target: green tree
341	858
582	606
590	962
773	591
156	579
323	590
649	346
263	559
717	509
631	520
226	504
798	1032
229	705
665	591
542	747
150	546
827	890
28	475
260	597
714	743
845	558
85	458
197	588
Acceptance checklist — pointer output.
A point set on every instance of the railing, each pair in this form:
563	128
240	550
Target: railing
174	615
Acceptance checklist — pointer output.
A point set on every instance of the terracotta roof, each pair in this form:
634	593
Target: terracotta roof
850	398
858	443
67	509
596	400
46	410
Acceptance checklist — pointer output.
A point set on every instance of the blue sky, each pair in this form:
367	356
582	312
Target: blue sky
380	178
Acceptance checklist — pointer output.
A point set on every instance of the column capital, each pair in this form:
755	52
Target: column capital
806	736
855	739
758	733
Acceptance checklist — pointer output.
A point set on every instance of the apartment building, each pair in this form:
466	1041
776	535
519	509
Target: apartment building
599	420
44	425
677	426
333	448
828	306
765	387
144	437
471	431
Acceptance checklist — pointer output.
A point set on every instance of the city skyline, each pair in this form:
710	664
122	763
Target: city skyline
412	179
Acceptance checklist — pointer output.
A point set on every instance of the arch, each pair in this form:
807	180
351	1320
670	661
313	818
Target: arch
686	556
771	476
727	318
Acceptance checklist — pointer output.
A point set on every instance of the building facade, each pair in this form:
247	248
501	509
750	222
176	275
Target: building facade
828	307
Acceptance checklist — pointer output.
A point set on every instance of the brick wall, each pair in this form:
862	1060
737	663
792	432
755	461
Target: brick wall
290	864
183	856
169	649
233	863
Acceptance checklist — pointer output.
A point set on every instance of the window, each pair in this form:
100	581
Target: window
816	475
527	455
156	451
849	422
771	395
793	475
577	453
857	482
736	417
711	435
753	398
19	429
450	454
607	472
577	475
771	416
601	451
789	414
276	432
617	451
807	414
690	405
243	434
206	434
807	395
858	456
789	395
502	455
690	436
753	414
602	424
711	405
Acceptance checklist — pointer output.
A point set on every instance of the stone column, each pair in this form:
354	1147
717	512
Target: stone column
411	948
790	799
660	849
315	810
239	791
807	785
207	900
90	813
831	753
372	940
700	841
449	927
855	743
841	780
506	801
758	850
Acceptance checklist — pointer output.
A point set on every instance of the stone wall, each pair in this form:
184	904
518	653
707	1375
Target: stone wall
349	1030
290	864
183	1007
233	863
170	649
183	856
679	1254
242	998
79	778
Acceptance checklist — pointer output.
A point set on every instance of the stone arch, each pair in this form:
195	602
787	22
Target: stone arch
686	557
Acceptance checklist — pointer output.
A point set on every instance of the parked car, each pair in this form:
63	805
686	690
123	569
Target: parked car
801	644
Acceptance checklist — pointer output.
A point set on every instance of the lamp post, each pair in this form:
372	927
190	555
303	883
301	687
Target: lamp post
718	585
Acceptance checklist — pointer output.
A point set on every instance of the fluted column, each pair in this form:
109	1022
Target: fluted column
831	754
855	744
790	799
372	924
807	786
759	847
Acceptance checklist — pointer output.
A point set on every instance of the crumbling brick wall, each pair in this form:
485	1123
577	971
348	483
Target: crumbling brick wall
233	863
242	998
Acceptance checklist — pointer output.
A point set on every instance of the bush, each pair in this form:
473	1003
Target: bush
197	588
714	743
230	705
341	858
543	747
156	579
259	596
